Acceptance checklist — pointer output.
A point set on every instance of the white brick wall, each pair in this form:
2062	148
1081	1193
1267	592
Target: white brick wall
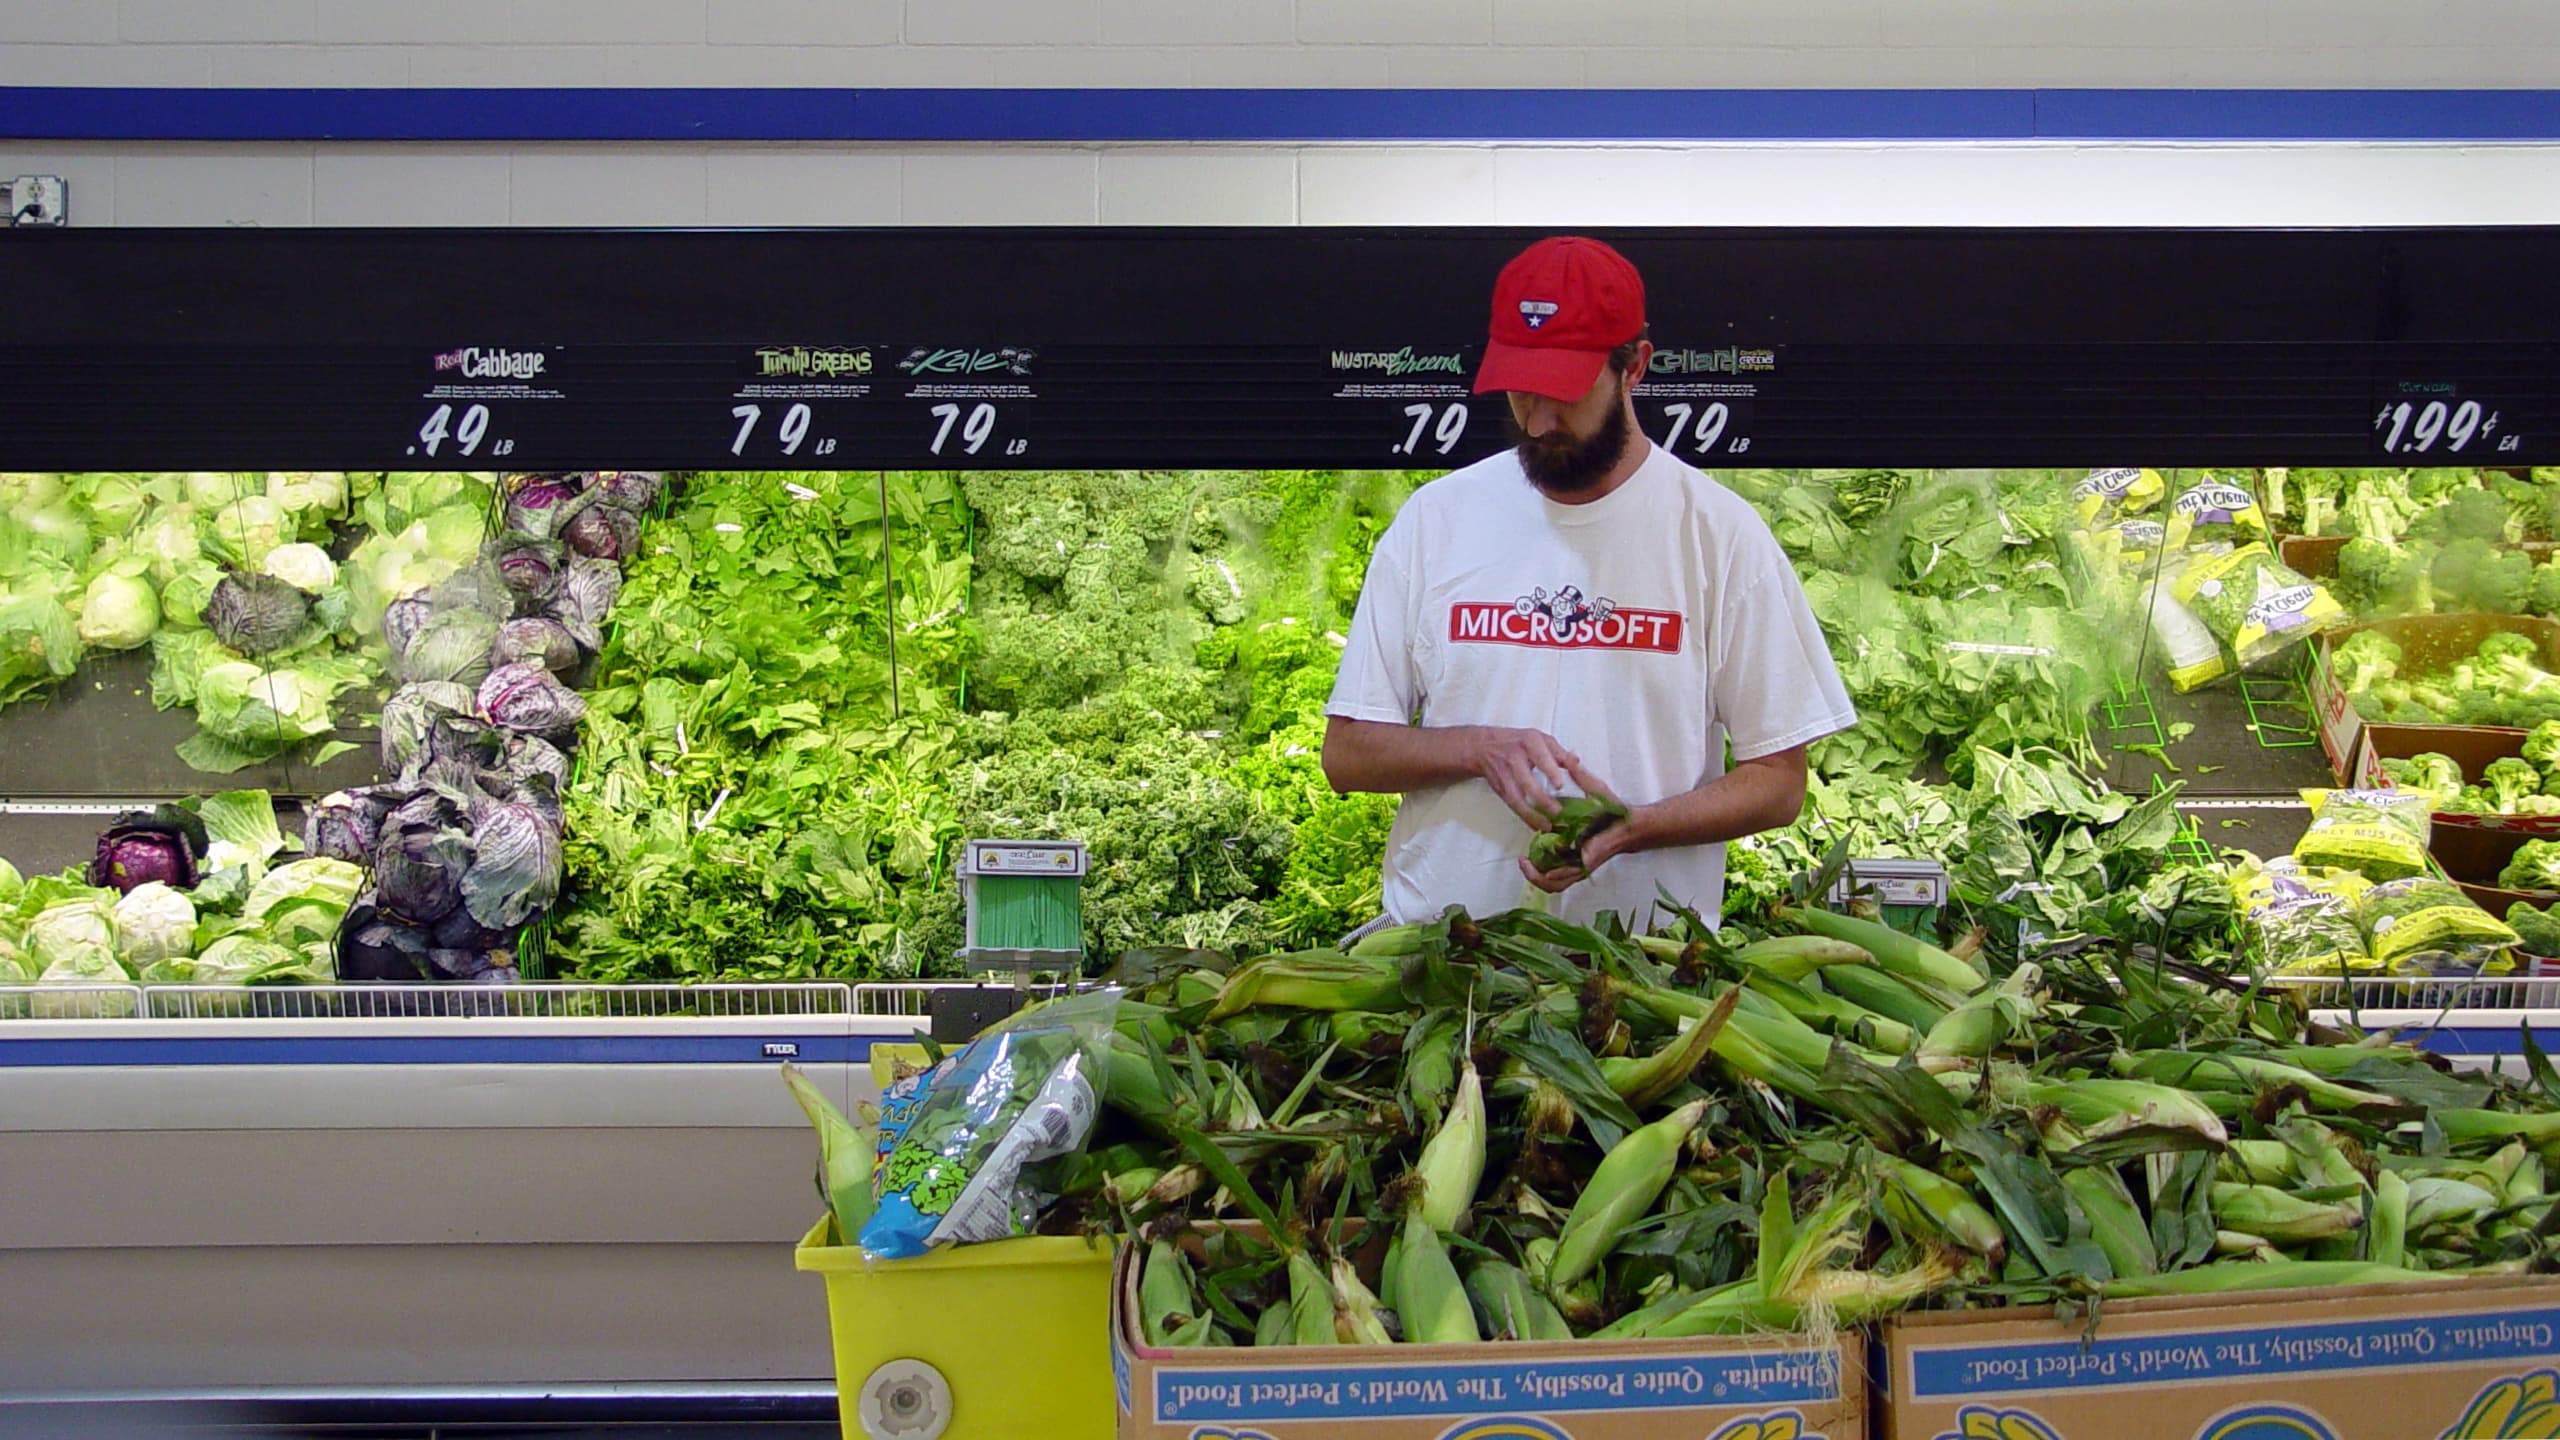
1424	44
1543	185
2265	43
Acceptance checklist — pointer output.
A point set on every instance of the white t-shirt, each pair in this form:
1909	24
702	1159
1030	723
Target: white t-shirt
1640	630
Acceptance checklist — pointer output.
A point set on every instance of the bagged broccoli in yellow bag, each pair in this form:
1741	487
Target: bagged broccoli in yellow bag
2254	603
2421	925
2303	917
2106	496
2213	513
2379	834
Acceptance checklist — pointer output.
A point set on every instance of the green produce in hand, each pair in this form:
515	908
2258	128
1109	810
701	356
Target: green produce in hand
1577	819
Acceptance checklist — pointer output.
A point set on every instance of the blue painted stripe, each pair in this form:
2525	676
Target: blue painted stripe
1070	115
2482	1040
2259	1351
155	1051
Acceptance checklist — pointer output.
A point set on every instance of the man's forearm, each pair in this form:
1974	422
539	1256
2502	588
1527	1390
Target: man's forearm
1748	799
1388	759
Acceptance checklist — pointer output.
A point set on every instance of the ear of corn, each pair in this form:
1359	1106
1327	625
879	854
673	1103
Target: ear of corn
1311	1302
2475	1127
2527	1181
1981	1025
847	1155
1887	995
2436	1201
1893	950
1835	1015
1133	1085
1630	1177
2386	1232
1643	1081
1391	942
1355	1309
1510	1306
1429	1295
1164	1293
2244	1074
1745	1058
1788	1038
1936	1205
2242	1244
2260	1162
2115	1222
1276	1325
1431	1067
1311	980
1452	1161
2271	1213
2102	1107
1577	818
2227	1276
1793	957
1129	1188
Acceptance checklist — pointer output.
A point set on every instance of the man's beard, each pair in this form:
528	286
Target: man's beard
1564	468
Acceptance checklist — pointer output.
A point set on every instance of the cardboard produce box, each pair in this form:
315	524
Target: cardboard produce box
2315	557
2431	642
1567	1390
2470	746
2472	857
2464	1359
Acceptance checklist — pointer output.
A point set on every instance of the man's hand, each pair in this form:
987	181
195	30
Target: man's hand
1615	838
1526	768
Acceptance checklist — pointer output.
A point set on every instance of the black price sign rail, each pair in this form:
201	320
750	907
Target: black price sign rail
1297	348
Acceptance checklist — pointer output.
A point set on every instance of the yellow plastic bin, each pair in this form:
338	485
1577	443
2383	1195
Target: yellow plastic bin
1001	1341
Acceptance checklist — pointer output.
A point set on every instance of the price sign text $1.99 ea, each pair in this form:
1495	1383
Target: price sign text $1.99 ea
2411	427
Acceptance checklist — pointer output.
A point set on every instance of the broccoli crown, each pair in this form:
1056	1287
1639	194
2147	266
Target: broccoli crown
2476	515
2475	575
2432	772
2536	866
2539	930
2365	660
2543	598
2542	747
2508	642
2511	780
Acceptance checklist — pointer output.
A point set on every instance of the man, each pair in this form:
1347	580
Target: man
1582	612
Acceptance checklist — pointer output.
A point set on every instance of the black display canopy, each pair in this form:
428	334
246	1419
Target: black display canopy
1080	349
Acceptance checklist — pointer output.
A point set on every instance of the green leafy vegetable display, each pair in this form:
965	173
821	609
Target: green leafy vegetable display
1143	657
244	917
229	578
1946	608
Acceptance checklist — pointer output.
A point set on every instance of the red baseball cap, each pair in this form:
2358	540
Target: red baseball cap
1559	308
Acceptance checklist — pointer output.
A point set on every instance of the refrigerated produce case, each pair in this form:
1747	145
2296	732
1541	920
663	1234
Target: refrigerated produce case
593	1185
